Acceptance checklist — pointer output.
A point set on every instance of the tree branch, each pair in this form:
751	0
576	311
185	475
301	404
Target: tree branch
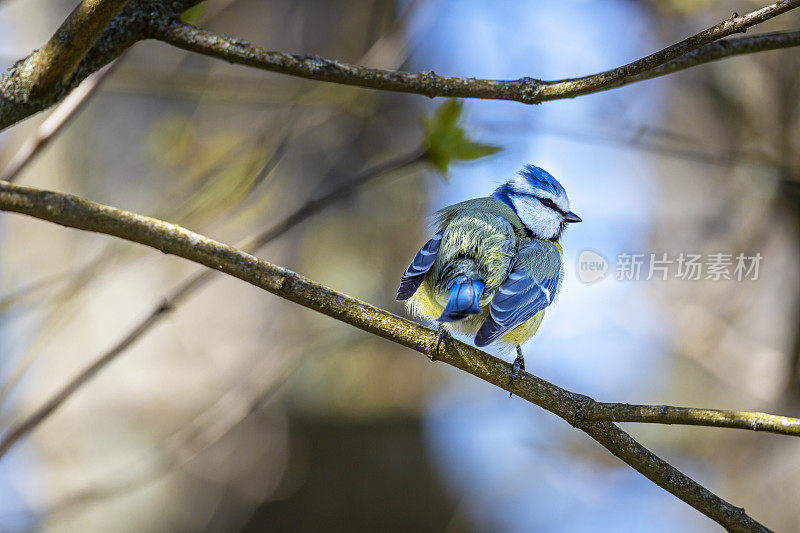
29	86
24	92
54	63
74	212
48	129
186	289
722	49
700	47
691	416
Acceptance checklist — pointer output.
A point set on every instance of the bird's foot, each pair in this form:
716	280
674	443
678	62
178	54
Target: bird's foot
441	333
519	364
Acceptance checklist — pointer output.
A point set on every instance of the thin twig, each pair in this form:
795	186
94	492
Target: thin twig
48	129
84	275
189	440
18	295
74	212
188	287
722	49
695	50
196	281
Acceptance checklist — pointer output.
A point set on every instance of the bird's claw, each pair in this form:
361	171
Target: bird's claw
519	364
441	333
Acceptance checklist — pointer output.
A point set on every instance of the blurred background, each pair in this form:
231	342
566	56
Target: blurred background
241	412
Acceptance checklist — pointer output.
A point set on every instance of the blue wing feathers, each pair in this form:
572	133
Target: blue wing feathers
419	267
529	288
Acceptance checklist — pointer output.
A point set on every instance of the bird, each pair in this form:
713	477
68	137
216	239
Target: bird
494	264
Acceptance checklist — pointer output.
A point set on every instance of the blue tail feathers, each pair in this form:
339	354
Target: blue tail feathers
465	293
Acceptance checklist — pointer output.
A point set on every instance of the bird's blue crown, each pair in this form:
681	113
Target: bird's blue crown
528	181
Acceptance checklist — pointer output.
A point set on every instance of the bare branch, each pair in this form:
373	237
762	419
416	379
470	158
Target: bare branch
691	416
24	90
74	212
48	129
54	63
526	90
190	286
720	50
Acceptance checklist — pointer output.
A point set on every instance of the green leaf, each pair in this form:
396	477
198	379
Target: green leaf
194	13
446	141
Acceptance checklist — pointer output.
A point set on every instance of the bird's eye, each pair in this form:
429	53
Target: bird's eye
549	203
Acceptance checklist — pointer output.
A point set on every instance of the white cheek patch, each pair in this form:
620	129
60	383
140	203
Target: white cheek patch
542	221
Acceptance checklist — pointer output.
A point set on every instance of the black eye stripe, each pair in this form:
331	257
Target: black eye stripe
547	202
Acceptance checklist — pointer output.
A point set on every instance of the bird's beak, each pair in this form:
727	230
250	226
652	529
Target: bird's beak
572	217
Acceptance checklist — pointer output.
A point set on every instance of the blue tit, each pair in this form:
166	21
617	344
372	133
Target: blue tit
495	263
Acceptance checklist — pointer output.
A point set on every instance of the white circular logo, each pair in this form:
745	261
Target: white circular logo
592	266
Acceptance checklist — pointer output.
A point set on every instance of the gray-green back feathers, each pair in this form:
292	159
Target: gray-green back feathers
483	232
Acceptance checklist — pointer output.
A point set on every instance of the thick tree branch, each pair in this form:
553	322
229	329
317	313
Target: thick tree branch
701	48
189	287
592	411
21	95
54	63
691	416
78	213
